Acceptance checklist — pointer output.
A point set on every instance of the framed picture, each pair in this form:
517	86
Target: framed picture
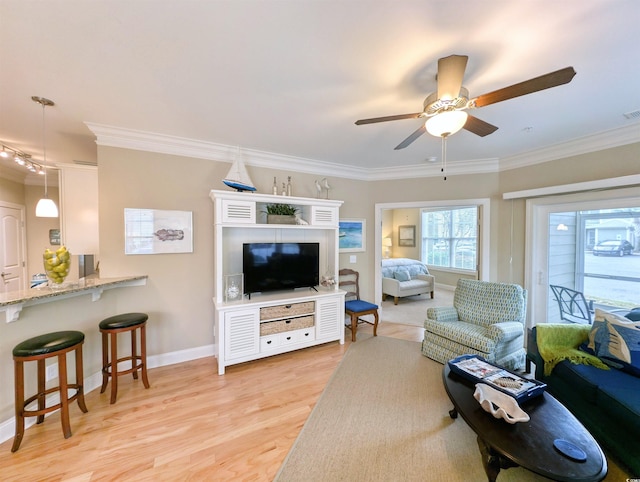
352	234
54	237
407	236
152	231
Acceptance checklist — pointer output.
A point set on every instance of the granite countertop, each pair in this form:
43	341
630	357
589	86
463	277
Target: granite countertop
12	302
21	296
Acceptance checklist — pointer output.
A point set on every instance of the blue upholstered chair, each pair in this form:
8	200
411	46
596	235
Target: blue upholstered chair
486	319
353	305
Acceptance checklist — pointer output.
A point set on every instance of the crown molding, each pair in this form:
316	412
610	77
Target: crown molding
112	136
433	169
581	145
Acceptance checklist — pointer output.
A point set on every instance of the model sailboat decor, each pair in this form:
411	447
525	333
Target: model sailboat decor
238	177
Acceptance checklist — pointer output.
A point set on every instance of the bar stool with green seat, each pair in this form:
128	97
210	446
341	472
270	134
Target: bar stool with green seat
38	349
110	327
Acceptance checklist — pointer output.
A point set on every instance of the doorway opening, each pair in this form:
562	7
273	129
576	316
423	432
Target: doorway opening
482	237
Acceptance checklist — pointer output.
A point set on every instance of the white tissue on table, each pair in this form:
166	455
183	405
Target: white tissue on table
499	404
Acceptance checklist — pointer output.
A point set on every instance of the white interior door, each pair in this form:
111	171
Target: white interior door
13	269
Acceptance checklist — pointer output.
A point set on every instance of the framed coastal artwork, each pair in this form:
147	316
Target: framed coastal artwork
352	235
407	236
154	231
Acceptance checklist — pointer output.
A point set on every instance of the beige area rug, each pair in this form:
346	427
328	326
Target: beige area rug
384	417
412	310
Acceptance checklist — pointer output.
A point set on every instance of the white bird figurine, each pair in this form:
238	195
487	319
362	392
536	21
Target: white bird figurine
325	184
318	187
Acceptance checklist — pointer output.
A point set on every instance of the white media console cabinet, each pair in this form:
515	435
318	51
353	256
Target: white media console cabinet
276	322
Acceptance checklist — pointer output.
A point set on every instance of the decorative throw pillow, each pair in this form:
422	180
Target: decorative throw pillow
402	275
616	341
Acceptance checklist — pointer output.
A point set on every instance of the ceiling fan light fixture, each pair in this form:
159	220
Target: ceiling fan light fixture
446	123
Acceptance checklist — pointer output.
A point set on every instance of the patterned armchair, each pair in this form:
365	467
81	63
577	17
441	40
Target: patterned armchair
486	319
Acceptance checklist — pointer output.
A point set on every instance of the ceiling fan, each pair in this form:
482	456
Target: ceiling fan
445	109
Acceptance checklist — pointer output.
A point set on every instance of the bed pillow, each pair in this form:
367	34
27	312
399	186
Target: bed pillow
402	275
616	341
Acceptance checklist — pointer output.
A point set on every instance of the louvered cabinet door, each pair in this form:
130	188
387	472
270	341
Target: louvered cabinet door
238	212
324	216
242	334
329	317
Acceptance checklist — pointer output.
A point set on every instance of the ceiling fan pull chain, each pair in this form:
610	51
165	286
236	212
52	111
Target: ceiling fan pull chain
443	169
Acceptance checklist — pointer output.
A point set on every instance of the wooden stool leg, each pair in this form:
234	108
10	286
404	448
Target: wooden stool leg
105	361
19	395
143	354
64	395
134	353
114	366
42	381
80	379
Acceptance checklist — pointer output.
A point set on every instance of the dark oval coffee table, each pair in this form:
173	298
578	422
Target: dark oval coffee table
527	444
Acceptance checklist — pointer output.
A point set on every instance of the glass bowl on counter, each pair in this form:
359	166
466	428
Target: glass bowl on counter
56	265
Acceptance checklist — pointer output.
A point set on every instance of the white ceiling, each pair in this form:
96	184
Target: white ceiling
291	76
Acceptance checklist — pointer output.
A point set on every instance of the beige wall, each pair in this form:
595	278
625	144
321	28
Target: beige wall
609	163
406	217
11	191
178	295
387	230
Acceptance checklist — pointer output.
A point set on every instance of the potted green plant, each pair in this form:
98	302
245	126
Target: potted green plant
281	214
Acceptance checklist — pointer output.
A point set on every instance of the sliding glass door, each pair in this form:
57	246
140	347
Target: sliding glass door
589	242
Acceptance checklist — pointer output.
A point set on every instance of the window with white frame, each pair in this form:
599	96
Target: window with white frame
450	237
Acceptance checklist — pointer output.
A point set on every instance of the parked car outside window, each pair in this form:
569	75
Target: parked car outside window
612	248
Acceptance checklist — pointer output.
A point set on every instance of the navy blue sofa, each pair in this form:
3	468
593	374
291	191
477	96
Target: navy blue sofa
607	402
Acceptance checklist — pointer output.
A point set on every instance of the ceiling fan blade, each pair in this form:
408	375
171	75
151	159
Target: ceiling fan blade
479	127
553	79
450	74
411	138
388	118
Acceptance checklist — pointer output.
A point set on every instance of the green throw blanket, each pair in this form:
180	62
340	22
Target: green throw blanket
561	342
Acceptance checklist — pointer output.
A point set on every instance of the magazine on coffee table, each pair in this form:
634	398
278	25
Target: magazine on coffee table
477	369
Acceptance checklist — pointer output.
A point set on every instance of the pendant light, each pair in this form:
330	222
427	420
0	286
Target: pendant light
45	208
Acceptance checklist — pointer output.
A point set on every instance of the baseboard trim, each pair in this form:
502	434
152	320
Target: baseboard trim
440	286
93	381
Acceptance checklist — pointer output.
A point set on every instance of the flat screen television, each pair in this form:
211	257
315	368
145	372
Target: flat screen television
280	266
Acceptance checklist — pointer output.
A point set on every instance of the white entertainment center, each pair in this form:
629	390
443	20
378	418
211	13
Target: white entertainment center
275	322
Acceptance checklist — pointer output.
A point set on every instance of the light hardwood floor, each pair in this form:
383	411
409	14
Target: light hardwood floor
191	424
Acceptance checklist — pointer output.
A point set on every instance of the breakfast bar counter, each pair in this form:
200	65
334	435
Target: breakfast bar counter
13	302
